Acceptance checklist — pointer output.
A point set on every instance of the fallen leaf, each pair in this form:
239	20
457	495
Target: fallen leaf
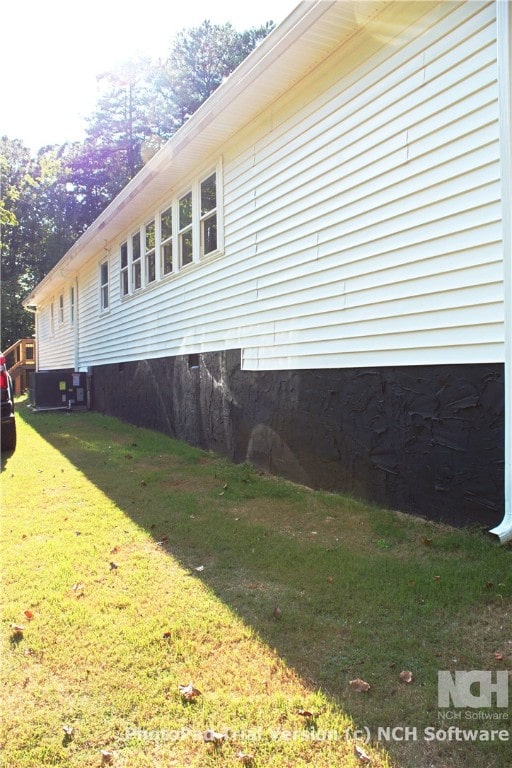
107	758
305	713
405	676
114	550
199	568
167	635
361	754
437	578
245	758
277	612
113	566
17	628
498	656
29	615
68	730
427	541
188	691
359	685
214	737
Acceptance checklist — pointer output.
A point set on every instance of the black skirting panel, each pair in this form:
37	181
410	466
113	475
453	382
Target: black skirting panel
422	439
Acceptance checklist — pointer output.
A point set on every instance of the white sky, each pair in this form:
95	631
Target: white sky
52	50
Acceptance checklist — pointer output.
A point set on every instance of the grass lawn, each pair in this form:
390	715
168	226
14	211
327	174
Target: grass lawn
133	564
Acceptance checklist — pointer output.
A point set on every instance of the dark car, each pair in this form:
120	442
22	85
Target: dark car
8	419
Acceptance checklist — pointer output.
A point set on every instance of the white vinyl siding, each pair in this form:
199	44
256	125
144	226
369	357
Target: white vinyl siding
388	215
56	345
361	220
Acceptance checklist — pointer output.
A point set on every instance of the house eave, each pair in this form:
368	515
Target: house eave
313	30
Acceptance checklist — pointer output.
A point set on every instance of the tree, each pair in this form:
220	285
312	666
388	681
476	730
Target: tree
48	201
40	221
200	60
17	185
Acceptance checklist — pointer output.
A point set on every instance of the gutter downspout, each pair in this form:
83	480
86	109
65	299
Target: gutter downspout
504	44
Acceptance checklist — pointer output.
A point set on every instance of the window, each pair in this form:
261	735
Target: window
150	252
209	215
166	241
136	262
72	304
185	229
104	285
125	285
61	308
188	229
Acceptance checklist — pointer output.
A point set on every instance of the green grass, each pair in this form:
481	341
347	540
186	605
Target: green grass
205	551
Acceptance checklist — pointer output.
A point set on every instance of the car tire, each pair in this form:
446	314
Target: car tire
9	436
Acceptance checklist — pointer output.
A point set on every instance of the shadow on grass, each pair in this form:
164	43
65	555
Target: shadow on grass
339	590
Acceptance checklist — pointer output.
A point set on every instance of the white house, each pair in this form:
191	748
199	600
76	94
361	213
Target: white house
314	273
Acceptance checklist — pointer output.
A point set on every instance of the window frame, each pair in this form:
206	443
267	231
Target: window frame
104	286
136	263
124	270
150	253
180	234
205	216
186	230
165	242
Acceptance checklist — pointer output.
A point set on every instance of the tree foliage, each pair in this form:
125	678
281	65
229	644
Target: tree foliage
199	61
47	201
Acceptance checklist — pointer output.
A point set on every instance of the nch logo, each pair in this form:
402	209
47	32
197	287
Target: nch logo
474	688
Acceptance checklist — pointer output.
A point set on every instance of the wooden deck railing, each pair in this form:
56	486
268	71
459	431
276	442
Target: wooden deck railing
20	358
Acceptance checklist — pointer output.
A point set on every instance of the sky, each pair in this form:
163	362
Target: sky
53	50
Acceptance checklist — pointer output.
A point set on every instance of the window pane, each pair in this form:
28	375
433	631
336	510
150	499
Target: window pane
104	274
186	210
167	258
124	282
137	282
150	236
136	247
124	255
209	234
150	266
166	224
208	195
186	247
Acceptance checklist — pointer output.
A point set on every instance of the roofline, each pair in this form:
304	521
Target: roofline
280	41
